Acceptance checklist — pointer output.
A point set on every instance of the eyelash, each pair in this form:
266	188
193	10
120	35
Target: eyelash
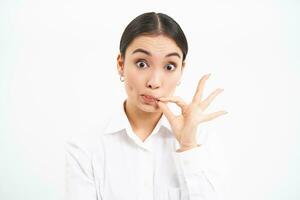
174	64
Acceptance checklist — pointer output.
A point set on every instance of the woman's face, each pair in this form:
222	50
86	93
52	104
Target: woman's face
152	68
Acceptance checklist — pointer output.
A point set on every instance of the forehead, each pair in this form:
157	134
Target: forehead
155	44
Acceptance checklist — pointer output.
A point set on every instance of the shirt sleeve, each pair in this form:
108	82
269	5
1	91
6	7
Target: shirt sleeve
79	174
200	170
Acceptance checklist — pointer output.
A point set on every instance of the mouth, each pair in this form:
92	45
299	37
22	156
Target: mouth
149	98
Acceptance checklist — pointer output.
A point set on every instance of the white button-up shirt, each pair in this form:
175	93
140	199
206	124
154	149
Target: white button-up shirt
115	164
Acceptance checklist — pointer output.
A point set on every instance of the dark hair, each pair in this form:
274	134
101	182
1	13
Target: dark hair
152	23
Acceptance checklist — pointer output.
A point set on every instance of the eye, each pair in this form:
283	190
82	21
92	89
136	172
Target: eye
141	63
171	67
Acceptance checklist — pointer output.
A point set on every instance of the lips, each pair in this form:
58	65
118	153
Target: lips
149	98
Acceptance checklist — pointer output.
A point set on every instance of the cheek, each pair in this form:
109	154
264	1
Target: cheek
171	86
133	82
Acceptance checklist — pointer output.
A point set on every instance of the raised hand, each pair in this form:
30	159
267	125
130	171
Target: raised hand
184	126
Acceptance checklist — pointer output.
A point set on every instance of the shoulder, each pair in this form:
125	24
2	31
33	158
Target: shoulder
91	141
85	143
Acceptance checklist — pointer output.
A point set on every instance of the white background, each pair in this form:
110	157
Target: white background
58	78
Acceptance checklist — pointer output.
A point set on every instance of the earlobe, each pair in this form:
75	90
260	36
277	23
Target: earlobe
120	64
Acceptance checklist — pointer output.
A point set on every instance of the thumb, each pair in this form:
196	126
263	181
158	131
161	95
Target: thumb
167	112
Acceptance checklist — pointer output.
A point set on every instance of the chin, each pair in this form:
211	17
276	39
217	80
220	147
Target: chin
149	107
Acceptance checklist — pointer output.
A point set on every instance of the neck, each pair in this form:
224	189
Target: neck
142	122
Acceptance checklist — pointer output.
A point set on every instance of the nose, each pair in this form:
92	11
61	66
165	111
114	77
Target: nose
154	81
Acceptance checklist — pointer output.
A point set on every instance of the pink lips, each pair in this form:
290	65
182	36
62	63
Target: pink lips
149	98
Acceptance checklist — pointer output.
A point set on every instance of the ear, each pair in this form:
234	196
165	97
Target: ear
120	64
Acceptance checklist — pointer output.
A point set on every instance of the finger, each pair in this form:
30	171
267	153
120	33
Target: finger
178	100
204	104
198	94
167	112
214	115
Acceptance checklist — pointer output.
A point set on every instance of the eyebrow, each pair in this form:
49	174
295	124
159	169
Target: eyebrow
149	54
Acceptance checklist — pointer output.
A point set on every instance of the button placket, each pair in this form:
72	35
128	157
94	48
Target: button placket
148	169
147	174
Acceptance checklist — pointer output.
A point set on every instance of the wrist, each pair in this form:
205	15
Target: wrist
185	148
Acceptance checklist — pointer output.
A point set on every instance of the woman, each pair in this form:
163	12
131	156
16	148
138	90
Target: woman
146	151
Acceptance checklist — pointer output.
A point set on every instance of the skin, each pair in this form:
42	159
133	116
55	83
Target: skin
158	76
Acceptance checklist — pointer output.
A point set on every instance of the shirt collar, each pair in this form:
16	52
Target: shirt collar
119	121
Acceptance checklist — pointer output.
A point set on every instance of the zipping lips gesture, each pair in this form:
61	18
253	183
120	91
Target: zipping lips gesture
184	126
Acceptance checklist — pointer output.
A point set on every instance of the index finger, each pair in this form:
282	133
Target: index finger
167	112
